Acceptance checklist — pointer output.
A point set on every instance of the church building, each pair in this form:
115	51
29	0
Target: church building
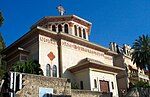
62	47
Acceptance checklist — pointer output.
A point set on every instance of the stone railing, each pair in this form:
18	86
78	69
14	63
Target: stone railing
143	76
138	75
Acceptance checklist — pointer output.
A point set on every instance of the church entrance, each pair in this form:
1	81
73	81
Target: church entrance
104	86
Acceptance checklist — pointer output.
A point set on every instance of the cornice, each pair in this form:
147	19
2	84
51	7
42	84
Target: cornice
64	36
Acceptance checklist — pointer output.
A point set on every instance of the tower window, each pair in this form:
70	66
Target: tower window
80	34
47	70
59	28
53	28
54	71
75	30
95	83
84	34
66	28
112	85
81	85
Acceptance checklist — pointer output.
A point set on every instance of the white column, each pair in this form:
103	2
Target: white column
87	36
20	81
14	81
115	86
63	28
11	80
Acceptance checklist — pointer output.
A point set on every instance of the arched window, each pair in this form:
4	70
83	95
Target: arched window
75	30
66	28
59	28
54	28
80	34
48	73
54	71
84	34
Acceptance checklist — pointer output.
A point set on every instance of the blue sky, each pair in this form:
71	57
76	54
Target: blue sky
120	21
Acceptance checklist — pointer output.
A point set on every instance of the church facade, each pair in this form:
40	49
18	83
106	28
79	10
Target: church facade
62	47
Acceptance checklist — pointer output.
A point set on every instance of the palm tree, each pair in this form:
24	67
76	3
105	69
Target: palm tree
141	53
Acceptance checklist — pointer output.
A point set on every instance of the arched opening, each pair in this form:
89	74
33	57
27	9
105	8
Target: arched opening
48	73
54	28
75	30
59	28
66	28
80	33
84	34
54	71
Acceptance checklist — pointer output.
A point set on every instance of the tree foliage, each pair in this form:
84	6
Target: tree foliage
30	66
141	53
2	46
2	69
2	43
74	85
2	62
1	18
142	84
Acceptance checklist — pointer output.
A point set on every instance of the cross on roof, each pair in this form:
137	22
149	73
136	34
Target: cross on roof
61	9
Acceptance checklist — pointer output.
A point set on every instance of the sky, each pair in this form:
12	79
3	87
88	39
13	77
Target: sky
120	21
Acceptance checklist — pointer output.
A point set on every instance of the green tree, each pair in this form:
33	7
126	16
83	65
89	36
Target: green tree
141	84
30	66
141	53
2	46
2	62
1	18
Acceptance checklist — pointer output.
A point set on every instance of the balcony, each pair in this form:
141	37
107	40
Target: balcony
137	75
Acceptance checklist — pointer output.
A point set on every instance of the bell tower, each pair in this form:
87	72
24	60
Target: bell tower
69	24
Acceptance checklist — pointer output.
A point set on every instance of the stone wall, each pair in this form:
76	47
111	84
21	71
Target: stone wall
61	87
31	84
87	93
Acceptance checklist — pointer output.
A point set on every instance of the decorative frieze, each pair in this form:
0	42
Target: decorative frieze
81	48
47	40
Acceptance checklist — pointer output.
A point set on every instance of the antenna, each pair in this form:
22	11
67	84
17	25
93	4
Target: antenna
61	9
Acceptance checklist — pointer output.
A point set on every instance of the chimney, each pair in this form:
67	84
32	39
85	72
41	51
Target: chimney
115	48
111	46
